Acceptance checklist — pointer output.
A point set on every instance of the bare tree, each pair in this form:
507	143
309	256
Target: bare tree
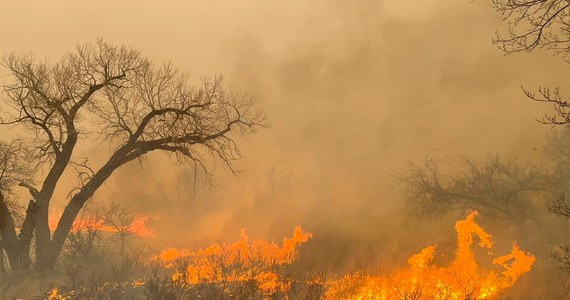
498	188
102	91
193	187
122	220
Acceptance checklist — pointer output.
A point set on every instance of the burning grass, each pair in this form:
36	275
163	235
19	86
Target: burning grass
133	225
262	270
462	279
241	262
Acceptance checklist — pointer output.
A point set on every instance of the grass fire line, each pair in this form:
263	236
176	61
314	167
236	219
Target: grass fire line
257	262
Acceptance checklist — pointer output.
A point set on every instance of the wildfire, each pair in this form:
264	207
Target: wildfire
136	226
462	279
260	269
242	261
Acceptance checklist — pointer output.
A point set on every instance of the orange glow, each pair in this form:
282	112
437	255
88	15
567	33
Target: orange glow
462	279
137	227
54	295
241	261
237	267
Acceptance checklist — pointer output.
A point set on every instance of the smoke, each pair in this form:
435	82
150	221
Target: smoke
353	90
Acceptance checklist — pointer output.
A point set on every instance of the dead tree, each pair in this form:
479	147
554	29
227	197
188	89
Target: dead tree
109	93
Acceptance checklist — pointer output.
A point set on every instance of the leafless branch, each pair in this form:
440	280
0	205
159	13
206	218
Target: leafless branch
534	23
496	187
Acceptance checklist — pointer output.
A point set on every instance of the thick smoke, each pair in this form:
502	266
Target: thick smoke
353	91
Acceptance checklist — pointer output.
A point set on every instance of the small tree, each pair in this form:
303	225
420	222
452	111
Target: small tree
122	221
111	93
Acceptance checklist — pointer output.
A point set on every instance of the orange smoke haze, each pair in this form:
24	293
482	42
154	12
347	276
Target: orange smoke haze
353	91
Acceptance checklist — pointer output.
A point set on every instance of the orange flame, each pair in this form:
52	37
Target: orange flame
54	295
262	264
138	226
241	261
460	280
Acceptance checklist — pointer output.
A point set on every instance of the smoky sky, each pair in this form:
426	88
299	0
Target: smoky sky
353	90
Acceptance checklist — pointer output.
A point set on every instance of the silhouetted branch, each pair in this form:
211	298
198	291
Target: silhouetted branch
534	23
496	187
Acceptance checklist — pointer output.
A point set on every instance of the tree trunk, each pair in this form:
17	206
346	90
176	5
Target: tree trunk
17	247
26	233
9	237
63	228
73	208
43	198
42	235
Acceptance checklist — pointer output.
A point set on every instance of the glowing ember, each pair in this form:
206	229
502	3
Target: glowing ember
460	280
242	261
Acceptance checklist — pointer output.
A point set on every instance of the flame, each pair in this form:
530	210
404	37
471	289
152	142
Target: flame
462	279
242	261
262	264
54	295
138	226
